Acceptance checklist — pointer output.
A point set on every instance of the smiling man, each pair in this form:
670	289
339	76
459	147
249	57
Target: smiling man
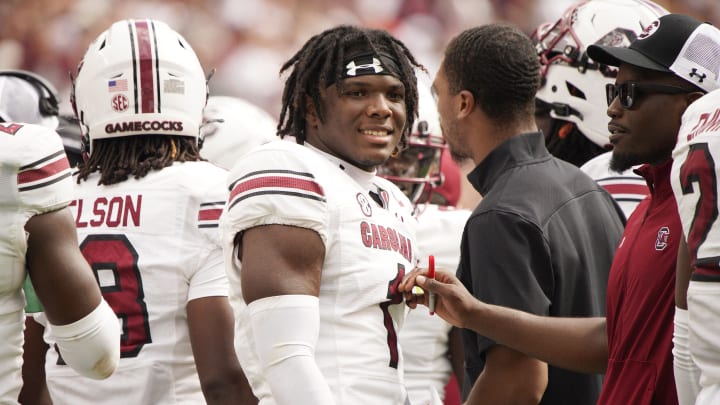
323	242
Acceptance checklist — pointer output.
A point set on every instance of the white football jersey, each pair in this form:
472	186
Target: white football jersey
35	178
154	245
368	249
627	188
424	338
694	179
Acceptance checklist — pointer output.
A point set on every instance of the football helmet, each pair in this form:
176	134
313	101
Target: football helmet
573	86
28	97
139	77
416	169
231	127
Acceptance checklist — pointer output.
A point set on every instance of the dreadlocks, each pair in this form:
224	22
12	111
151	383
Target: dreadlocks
118	158
319	64
563	139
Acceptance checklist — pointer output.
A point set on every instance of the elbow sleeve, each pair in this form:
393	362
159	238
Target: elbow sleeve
285	329
91	345
687	373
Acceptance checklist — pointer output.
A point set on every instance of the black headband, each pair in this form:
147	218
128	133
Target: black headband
369	63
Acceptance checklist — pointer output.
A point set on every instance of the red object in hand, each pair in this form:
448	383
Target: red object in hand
431	274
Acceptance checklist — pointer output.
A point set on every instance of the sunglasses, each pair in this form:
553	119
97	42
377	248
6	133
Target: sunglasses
628	91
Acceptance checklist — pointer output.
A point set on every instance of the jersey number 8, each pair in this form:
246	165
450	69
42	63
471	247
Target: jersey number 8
115	264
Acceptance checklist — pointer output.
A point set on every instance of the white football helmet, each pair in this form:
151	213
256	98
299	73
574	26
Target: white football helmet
574	85
139	77
231	127
416	169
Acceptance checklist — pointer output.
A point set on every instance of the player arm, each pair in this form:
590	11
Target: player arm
281	270
34	390
211	325
687	373
85	328
683	272
509	377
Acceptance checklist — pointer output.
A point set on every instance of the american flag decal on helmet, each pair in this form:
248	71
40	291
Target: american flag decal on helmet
43	172
209	214
278	182
146	73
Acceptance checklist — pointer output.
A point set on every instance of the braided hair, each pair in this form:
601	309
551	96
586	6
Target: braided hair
319	63
498	64
119	158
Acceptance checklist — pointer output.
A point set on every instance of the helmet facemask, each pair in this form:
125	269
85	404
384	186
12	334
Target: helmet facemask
416	169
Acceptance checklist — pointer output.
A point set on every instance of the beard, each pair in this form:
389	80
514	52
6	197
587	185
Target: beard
621	162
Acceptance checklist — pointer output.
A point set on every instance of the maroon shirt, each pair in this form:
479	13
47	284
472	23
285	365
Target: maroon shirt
641	300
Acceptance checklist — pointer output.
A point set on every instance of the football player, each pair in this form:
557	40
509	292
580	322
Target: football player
147	210
38	235
322	240
694	181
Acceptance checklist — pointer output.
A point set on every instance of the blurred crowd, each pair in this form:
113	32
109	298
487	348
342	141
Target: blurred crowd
246	41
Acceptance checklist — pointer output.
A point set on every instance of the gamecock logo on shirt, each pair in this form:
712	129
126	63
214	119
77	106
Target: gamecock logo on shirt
662	238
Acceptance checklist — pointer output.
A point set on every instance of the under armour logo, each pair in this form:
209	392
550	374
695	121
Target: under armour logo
700	76
352	68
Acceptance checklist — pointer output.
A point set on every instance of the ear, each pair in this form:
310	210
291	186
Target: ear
691	97
312	118
466	103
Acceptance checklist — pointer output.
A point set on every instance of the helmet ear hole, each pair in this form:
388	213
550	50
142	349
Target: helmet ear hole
574	91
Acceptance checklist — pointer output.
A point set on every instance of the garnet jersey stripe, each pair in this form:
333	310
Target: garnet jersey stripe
283	182
209	214
40	173
627	188
641	190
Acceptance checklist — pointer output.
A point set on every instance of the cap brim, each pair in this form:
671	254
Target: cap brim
615	56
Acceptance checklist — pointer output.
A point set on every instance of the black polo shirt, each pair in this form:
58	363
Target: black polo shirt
541	240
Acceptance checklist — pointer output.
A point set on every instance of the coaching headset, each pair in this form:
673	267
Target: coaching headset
47	94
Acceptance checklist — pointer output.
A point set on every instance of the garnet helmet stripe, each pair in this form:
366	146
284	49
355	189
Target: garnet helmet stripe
147	78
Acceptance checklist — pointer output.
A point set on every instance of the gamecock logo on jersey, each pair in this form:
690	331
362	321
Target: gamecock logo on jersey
364	203
662	238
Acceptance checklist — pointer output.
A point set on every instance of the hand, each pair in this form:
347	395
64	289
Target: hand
454	302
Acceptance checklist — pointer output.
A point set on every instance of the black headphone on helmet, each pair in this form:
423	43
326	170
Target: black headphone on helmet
47	94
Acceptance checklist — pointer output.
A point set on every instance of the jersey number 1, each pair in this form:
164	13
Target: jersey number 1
394	298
